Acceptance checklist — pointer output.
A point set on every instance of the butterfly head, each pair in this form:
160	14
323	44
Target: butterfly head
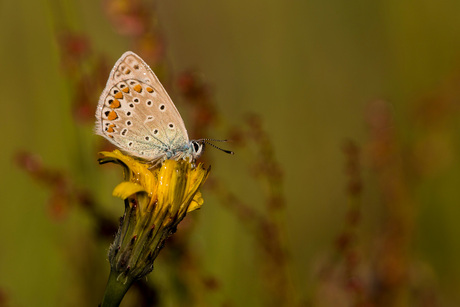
197	148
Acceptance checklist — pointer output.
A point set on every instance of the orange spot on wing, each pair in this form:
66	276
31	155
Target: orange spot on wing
126	89
137	88
128	71
115	104
118	95
149	89
112	115
110	129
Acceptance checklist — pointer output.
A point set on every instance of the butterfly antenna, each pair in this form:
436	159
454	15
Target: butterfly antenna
212	140
226	151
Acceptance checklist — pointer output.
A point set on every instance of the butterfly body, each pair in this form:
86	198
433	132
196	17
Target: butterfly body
137	115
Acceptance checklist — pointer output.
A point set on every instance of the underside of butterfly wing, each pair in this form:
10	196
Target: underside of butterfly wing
136	114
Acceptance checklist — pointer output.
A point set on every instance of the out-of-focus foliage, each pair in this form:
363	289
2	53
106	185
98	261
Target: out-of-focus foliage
343	116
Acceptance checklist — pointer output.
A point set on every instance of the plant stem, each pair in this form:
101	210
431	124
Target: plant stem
115	290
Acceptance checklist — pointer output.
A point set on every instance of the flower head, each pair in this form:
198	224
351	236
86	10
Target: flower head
156	200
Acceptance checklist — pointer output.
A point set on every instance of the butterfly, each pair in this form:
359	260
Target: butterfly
136	114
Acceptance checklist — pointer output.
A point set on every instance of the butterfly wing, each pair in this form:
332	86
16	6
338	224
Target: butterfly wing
136	113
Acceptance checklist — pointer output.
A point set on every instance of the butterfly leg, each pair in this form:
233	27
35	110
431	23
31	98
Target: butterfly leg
157	162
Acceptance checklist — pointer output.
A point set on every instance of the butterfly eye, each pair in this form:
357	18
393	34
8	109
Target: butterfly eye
196	146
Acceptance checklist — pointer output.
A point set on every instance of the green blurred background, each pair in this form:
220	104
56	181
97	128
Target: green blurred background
378	78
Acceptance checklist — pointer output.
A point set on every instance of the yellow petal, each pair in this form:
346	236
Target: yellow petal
134	170
172	179
197	177
126	189
196	203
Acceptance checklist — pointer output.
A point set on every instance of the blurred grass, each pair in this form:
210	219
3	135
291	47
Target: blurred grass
308	69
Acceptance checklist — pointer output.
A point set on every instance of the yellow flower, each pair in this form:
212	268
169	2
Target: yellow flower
156	200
